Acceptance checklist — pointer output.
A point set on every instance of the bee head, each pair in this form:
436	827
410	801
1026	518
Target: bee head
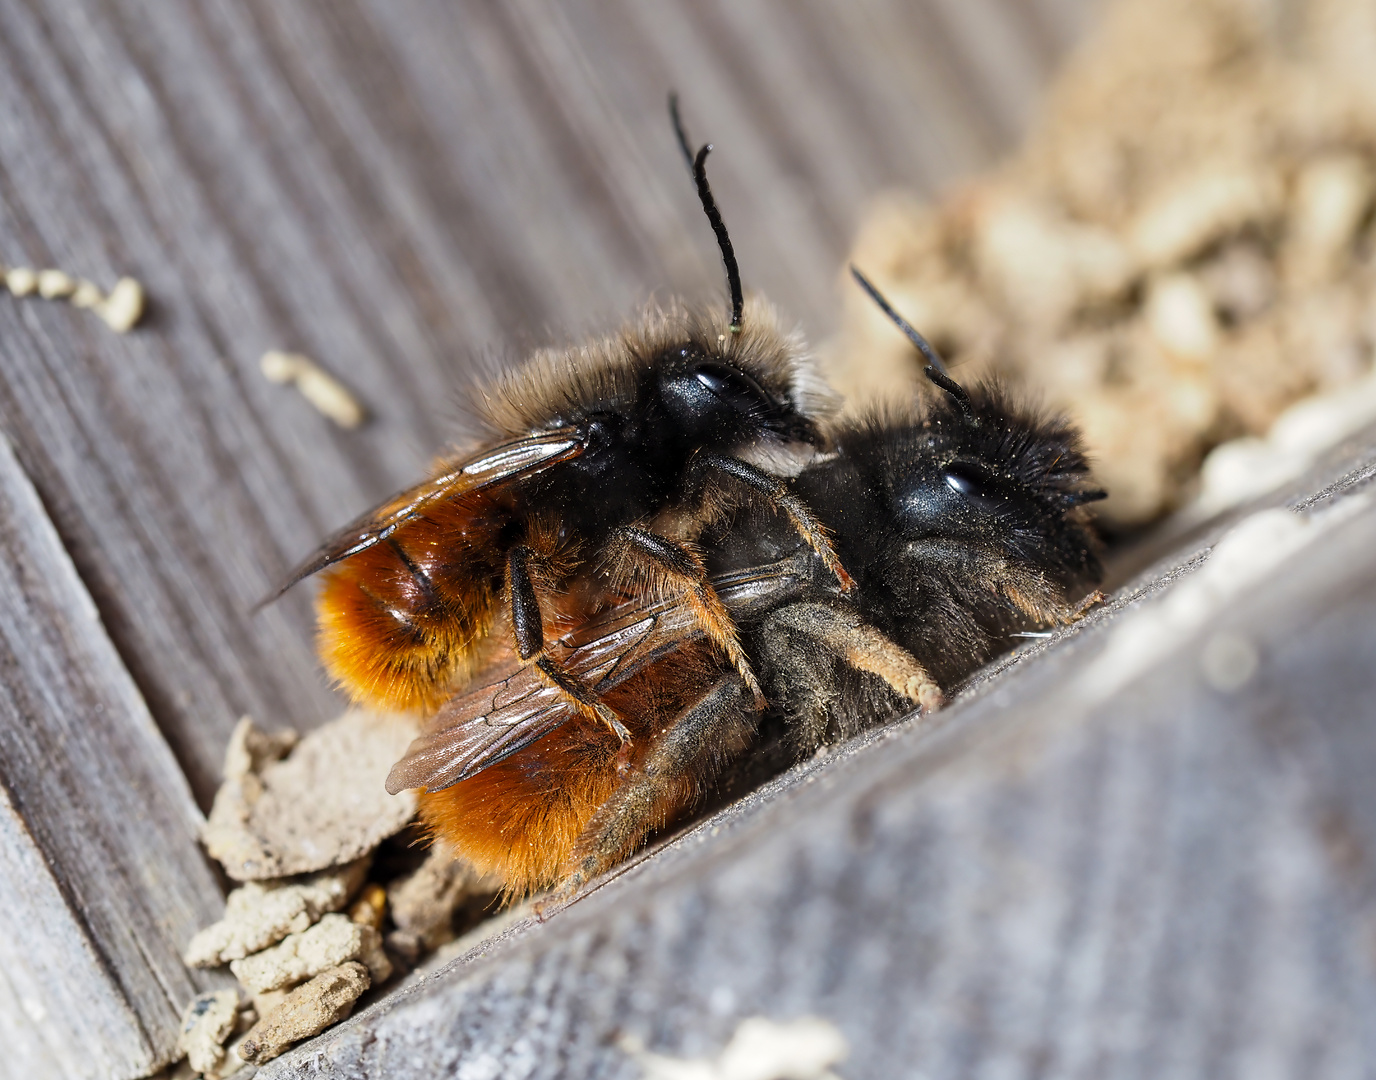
984	473
975	519
719	403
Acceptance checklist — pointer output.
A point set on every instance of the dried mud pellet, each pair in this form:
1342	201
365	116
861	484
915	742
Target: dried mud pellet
20	280
206	1024
327	394
86	295
55	284
123	308
306	1011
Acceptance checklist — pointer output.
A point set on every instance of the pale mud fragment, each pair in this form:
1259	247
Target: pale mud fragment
423	903
121	309
760	1049
308	1010
1203	207
334	940
260	914
329	396
325	804
207	1022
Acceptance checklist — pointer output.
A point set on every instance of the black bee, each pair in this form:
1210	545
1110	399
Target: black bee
963	524
602	464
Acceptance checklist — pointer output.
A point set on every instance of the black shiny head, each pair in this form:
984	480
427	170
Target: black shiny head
984	472
963	523
718	404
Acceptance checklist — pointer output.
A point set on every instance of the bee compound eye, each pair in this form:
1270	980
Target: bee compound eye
728	383
971	482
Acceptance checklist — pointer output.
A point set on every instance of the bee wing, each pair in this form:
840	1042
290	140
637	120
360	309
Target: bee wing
483	726
504	464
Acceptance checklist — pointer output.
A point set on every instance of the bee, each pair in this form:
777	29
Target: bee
964	523
601	465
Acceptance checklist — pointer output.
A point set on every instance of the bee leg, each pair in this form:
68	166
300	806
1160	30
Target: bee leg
528	628
1082	609
776	492
843	633
673	568
689	754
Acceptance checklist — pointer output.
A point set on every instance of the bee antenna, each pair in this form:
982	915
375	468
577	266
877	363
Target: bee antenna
697	165
935	369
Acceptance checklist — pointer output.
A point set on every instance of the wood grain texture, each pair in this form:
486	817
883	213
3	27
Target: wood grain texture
101	880
400	188
1163	874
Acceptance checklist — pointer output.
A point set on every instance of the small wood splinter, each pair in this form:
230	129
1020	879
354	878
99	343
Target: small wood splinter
318	386
121	309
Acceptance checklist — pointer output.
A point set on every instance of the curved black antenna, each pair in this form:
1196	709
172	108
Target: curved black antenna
935	369
681	134
697	165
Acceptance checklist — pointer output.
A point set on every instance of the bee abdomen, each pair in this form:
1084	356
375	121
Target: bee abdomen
397	629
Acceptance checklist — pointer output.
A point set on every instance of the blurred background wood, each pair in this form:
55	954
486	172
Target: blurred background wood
401	188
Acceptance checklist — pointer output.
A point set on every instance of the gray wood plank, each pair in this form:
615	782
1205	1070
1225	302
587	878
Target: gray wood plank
1120	855
101	880
400	188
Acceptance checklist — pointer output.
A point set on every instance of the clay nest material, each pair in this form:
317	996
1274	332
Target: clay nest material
338	893
1183	248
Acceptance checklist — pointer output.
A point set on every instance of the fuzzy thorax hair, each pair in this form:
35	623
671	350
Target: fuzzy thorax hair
611	374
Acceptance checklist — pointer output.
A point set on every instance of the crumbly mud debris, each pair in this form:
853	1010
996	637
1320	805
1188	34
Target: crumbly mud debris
259	914
308	1010
207	1022
329	396
1184	247
334	940
297	943
120	309
323	804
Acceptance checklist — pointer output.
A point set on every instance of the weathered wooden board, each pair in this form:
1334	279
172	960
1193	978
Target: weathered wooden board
400	187
101	879
1148	849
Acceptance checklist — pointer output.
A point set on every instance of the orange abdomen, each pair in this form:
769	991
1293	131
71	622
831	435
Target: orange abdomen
520	819
401	624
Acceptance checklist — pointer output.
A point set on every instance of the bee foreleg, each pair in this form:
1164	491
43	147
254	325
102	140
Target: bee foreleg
776	492
689	753
843	633
528	628
667	567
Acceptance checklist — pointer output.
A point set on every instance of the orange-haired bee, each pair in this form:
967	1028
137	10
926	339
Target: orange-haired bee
963	523
602	460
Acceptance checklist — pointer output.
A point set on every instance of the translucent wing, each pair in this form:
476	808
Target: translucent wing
504	464
483	726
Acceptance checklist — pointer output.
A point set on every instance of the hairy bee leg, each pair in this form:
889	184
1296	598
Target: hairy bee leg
813	532
671	565
864	648
1029	591
528	628
1094	599
691	751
